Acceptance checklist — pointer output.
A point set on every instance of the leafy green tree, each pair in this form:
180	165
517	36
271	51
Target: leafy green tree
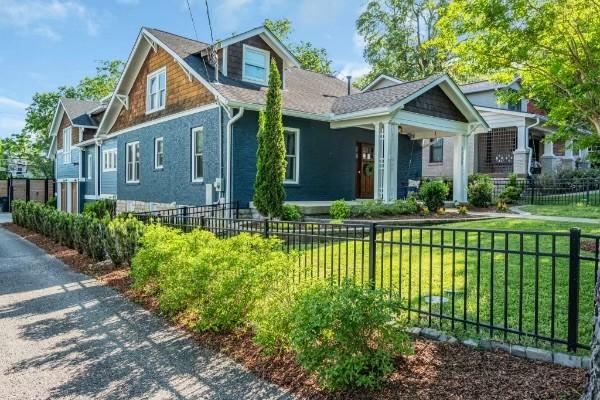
270	157
396	35
552	45
33	142
310	58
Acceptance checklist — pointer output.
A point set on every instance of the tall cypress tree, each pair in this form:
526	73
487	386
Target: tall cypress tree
269	193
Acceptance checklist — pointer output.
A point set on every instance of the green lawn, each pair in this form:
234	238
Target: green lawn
438	260
579	210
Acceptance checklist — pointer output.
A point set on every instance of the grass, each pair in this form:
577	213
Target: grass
578	210
438	260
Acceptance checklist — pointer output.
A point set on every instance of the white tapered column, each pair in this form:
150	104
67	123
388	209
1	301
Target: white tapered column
460	172
390	162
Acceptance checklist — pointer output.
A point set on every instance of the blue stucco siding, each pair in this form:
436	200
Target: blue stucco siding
173	183
108	180
327	160
70	170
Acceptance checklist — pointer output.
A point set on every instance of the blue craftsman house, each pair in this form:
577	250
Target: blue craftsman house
180	129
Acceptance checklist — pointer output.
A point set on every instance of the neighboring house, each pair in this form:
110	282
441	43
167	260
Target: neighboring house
17	168
180	128
75	152
513	144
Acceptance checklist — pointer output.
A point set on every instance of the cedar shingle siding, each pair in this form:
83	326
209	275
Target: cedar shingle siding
436	103
181	93
59	135
235	56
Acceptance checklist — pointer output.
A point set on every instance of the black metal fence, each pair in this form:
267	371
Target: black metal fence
179	215
516	286
553	191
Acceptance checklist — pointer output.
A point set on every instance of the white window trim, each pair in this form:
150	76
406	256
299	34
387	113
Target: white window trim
67	150
107	153
156	140
90	166
148	78
127	180
296	180
193	154
268	62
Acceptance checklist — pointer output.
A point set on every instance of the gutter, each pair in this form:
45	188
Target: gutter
229	161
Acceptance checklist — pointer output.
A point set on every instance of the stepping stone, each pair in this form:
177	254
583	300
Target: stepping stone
452	293
436	300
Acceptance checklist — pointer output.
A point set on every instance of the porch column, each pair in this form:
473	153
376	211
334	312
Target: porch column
568	161
520	155
390	163
378	165
548	159
459	170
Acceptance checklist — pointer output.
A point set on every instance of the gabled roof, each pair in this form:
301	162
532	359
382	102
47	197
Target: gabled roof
380	98
382	77
484	86
78	111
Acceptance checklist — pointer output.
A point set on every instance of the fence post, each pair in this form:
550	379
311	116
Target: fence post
10	193
45	190
202	222
27	189
532	186
266	232
372	253
237	209
573	315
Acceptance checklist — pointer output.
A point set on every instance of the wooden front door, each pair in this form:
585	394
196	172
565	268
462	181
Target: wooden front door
365	172
74	202
63	196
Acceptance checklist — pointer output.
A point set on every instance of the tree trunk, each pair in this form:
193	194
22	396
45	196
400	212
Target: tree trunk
592	390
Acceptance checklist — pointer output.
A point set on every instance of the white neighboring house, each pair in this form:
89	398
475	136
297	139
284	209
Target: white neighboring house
17	168
513	144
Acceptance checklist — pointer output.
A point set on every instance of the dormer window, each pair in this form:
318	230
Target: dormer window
256	65
156	90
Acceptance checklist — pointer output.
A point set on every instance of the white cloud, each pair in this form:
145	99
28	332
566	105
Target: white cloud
10	125
354	69
7	102
40	17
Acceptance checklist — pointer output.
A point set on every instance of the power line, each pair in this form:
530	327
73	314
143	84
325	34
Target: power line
192	18
212	39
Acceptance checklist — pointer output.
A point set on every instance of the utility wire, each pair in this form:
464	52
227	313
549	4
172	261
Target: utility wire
192	18
212	39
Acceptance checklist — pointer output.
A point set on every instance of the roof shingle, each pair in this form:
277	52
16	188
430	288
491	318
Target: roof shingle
77	110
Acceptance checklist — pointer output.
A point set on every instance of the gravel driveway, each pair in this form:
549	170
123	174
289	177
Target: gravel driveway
63	335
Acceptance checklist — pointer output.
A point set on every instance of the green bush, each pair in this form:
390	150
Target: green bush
511	194
347	335
100	208
339	210
480	190
291	212
81	232
121	238
158	246
372	208
51	202
95	245
433	194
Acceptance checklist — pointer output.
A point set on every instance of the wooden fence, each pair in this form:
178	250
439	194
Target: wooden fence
26	189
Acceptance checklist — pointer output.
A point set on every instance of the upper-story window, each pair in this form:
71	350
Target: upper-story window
292	154
436	150
516	106
256	65
109	160
156	90
67	145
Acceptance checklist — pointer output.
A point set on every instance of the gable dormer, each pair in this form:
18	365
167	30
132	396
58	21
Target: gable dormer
247	57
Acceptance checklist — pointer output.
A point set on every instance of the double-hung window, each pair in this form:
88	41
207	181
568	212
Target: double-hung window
90	166
436	150
197	154
67	145
132	161
159	155
109	160
292	154
156	90
256	65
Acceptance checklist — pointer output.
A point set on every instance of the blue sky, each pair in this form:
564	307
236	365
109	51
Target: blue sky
48	43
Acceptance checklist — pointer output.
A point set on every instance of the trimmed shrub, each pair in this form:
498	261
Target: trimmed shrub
95	245
339	209
480	190
348	336
100	208
51	202
372	208
81	232
122	237
291	212
433	194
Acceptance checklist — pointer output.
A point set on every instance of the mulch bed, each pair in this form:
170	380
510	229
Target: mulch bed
435	371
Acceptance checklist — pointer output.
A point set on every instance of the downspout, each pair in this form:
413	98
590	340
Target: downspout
228	180
529	149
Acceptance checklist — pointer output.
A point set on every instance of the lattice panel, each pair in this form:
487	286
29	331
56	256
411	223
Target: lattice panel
495	150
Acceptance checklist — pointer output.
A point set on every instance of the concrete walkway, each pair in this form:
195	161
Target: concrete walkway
5	217
526	215
63	335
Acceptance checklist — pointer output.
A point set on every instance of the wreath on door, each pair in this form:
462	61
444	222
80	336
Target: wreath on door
369	170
